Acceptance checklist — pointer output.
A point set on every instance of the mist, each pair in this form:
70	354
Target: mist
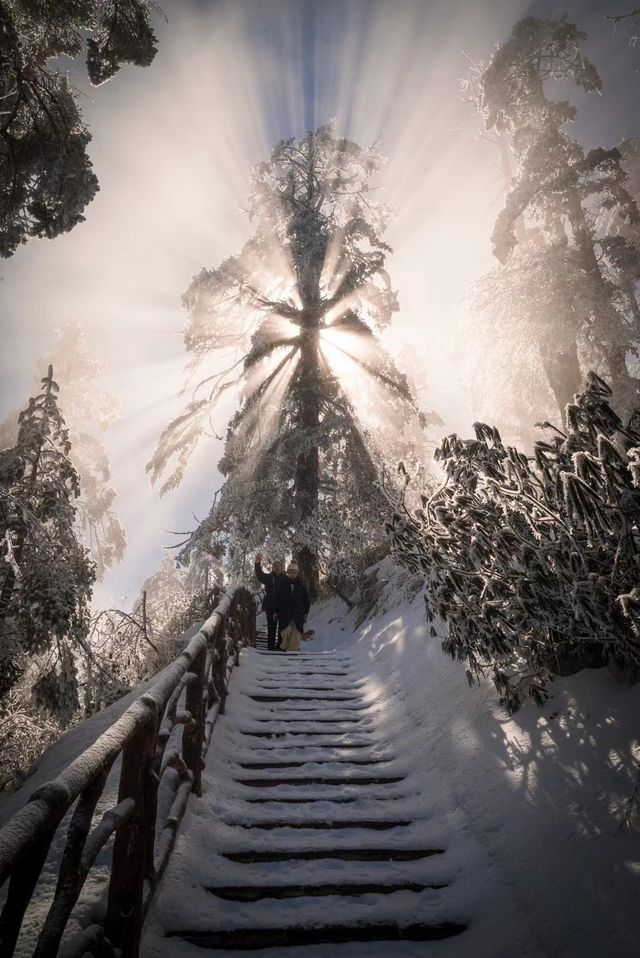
173	147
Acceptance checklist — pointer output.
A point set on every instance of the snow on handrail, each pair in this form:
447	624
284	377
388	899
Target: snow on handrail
140	735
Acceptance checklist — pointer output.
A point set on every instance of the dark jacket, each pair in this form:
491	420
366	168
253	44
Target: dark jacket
268	580
291	602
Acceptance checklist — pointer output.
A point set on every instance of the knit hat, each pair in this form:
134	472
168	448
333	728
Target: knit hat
293	565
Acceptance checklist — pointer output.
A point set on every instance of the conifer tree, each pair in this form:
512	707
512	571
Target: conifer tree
46	179
547	235
89	411
310	280
45	573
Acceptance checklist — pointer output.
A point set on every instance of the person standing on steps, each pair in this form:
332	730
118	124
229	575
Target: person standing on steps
268	580
292	605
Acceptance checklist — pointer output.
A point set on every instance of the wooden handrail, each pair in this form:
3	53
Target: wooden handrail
140	851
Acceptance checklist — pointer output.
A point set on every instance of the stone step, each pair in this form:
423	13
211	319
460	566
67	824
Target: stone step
250	939
266	686
375	825
345	889
262	766
308	698
336	854
283	746
300	721
319	780
338	799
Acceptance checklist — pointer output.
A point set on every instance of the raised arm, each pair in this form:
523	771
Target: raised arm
260	575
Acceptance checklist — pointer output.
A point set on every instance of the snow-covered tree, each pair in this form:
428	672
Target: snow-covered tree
46	574
89	411
305	295
560	287
46	179
533	563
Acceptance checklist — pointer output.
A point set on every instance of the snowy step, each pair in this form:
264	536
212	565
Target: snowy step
321	675
342	799
325	793
259	938
298	687
315	707
346	889
278	746
300	721
376	825
285	697
313	827
339	854
310	760
296	749
320	780
284	734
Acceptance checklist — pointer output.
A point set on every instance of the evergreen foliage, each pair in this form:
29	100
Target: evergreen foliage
88	411
46	178
533	562
46	574
309	285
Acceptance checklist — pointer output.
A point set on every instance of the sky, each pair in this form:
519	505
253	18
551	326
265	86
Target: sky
173	146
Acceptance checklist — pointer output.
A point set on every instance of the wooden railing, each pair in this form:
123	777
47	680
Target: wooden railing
141	846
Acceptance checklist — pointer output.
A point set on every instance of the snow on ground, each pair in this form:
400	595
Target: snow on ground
540	791
526	808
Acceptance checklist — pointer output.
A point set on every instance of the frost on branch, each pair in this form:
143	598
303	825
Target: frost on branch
533	562
46	177
563	299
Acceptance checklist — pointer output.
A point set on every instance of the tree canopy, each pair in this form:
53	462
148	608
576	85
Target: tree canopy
308	292
46	176
564	293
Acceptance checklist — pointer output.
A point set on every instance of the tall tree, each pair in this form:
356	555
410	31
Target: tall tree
46	574
558	192
305	295
89	412
46	179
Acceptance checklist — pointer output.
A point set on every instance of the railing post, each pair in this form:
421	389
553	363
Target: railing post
130	850
21	885
193	732
70	880
220	667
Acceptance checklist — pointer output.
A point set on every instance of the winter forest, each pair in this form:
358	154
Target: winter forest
353	285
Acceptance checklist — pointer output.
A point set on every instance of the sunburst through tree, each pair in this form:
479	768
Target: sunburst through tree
293	319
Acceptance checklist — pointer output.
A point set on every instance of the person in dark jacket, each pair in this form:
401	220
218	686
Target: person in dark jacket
291	599
268	580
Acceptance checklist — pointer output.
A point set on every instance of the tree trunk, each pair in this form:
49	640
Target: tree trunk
308	464
622	384
563	374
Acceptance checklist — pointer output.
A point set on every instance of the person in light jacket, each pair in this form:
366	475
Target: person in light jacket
292	606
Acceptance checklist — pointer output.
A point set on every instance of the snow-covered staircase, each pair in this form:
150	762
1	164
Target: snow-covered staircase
309	832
